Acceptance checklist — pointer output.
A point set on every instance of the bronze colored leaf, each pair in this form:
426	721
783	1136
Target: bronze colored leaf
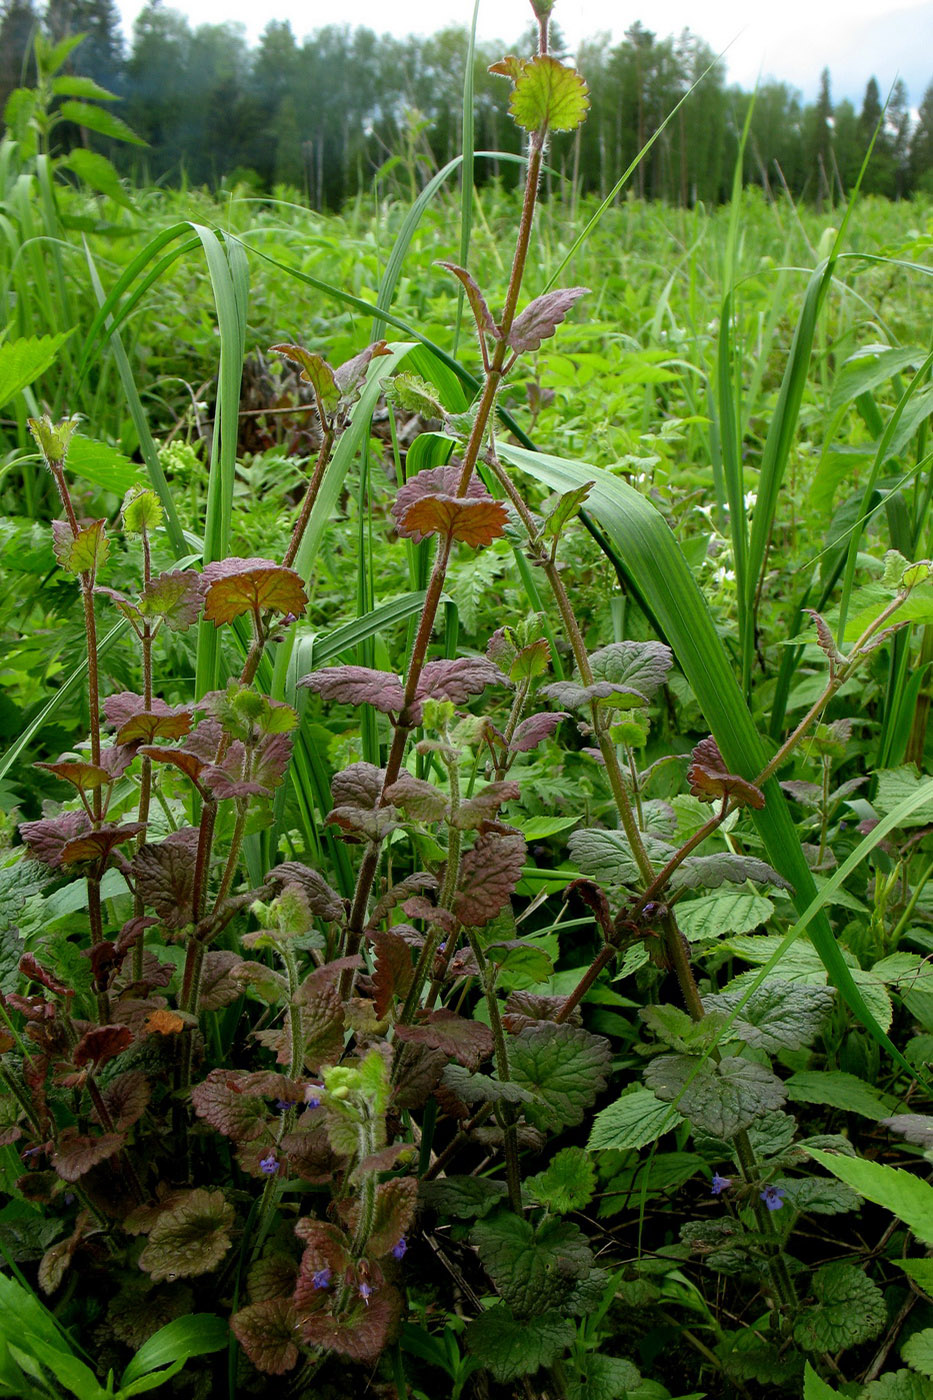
709	778
46	839
190	1238
101	1044
489	872
473	522
481	313
266	1332
76	1153
468	1042
542	316
237	586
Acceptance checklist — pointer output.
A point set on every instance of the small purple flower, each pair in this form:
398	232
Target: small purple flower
442	947
720	1183
322	1278
313	1095
399	1250
269	1164
773	1197
283	1105
312	1102
365	1291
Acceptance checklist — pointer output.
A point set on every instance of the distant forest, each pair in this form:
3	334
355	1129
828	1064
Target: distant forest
330	114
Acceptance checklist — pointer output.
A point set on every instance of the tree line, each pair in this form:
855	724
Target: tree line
345	107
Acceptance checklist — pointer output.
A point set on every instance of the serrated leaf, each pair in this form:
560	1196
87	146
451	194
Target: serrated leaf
606	856
778	1016
568	505
489	873
463	1197
481	313
542	316
634	1120
483	1088
849	1309
826	640
641	666
897	1385
576	696
23	360
819	1195
836	1089
568	1183
468	1042
719	1099
97	172
100	120
165	876
413	394
510	1347
709	778
605	1378
534	729
314	371
190	1238
713	915
226	1100
548	96
266	1332
76	1153
473	522
899	1191
81	553
533	1268
725	867
394	1212
564	1066
237	586
896	784
176	597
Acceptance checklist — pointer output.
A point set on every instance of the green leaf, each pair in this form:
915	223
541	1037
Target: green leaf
606	856
849	1309
814	1388
463	1197
720	1099
898	1385
565	1067
606	1378
74	85
903	1194
548	96
568	505
190	1238
567	1184
896	784
726	911
917	1351
634	1120
177	1341
921	1271
98	173
510	1347
100	120
23	360
819	1195
640	666
533	1269
836	1089
103	465
778	1016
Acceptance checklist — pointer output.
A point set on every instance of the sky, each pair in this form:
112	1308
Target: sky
792	40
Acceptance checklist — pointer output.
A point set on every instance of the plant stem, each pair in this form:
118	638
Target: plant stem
510	1142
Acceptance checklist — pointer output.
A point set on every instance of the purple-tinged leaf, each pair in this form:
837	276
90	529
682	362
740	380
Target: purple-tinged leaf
126	1098
76	1153
420	800
120	602
84	776
484	806
314	371
226	1100
166	722
575	696
419	908
698	872
542	316
186	761
176	597
529	1008
395	1210
473	522
83	553
458	680
435	481
222	979
323	901
189	1239
46	839
362	1332
116	758
394	970
359	785
481	313
826	640
489	873
165	876
357	685
266	1331
709	778
533	730
418	880
101	1044
237	586
97	845
30	967
327	1251
350	375
468	1042
639	667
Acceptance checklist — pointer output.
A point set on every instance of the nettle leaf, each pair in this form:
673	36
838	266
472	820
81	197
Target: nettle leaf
542	316
484	1088
849	1309
237	586
697	872
82	553
638	666
473	522
533	1268
607	1378
511	1347
778	1016
266	1332
489	873
568	505
413	394
76	1153
463	1197
176	597
357	685
165	876
720	1099
190	1238
565	1067
314	371
547	94
481	313
836	1089
468	1042
568	1183
535	729
635	1120
713	915
917	1351
709	778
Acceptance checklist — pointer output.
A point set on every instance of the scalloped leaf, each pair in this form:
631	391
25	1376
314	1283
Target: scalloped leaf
97	845
362	1332
463	1197
640	666
357	685
176	597
568	1183
510	1347
314	371
226	1099
81	553
535	729
351	373
720	1099
101	1044
395	1210
778	1016
266	1332
548	96
165	876
435	481
568	505
576	696
541	317
420	800
481	313
76	1153
166	722
473	522
711	871
48	837
564	1066
489	873
237	586
323	901
849	1309
190	1238
533	1268
468	1042
709	778
413	394
86	777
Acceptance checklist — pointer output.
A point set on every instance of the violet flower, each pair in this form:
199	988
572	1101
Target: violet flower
322	1278
269	1165
720	1183
399	1250
773	1197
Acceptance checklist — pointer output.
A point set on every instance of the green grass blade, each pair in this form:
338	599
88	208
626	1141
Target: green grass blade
466	176
653	561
